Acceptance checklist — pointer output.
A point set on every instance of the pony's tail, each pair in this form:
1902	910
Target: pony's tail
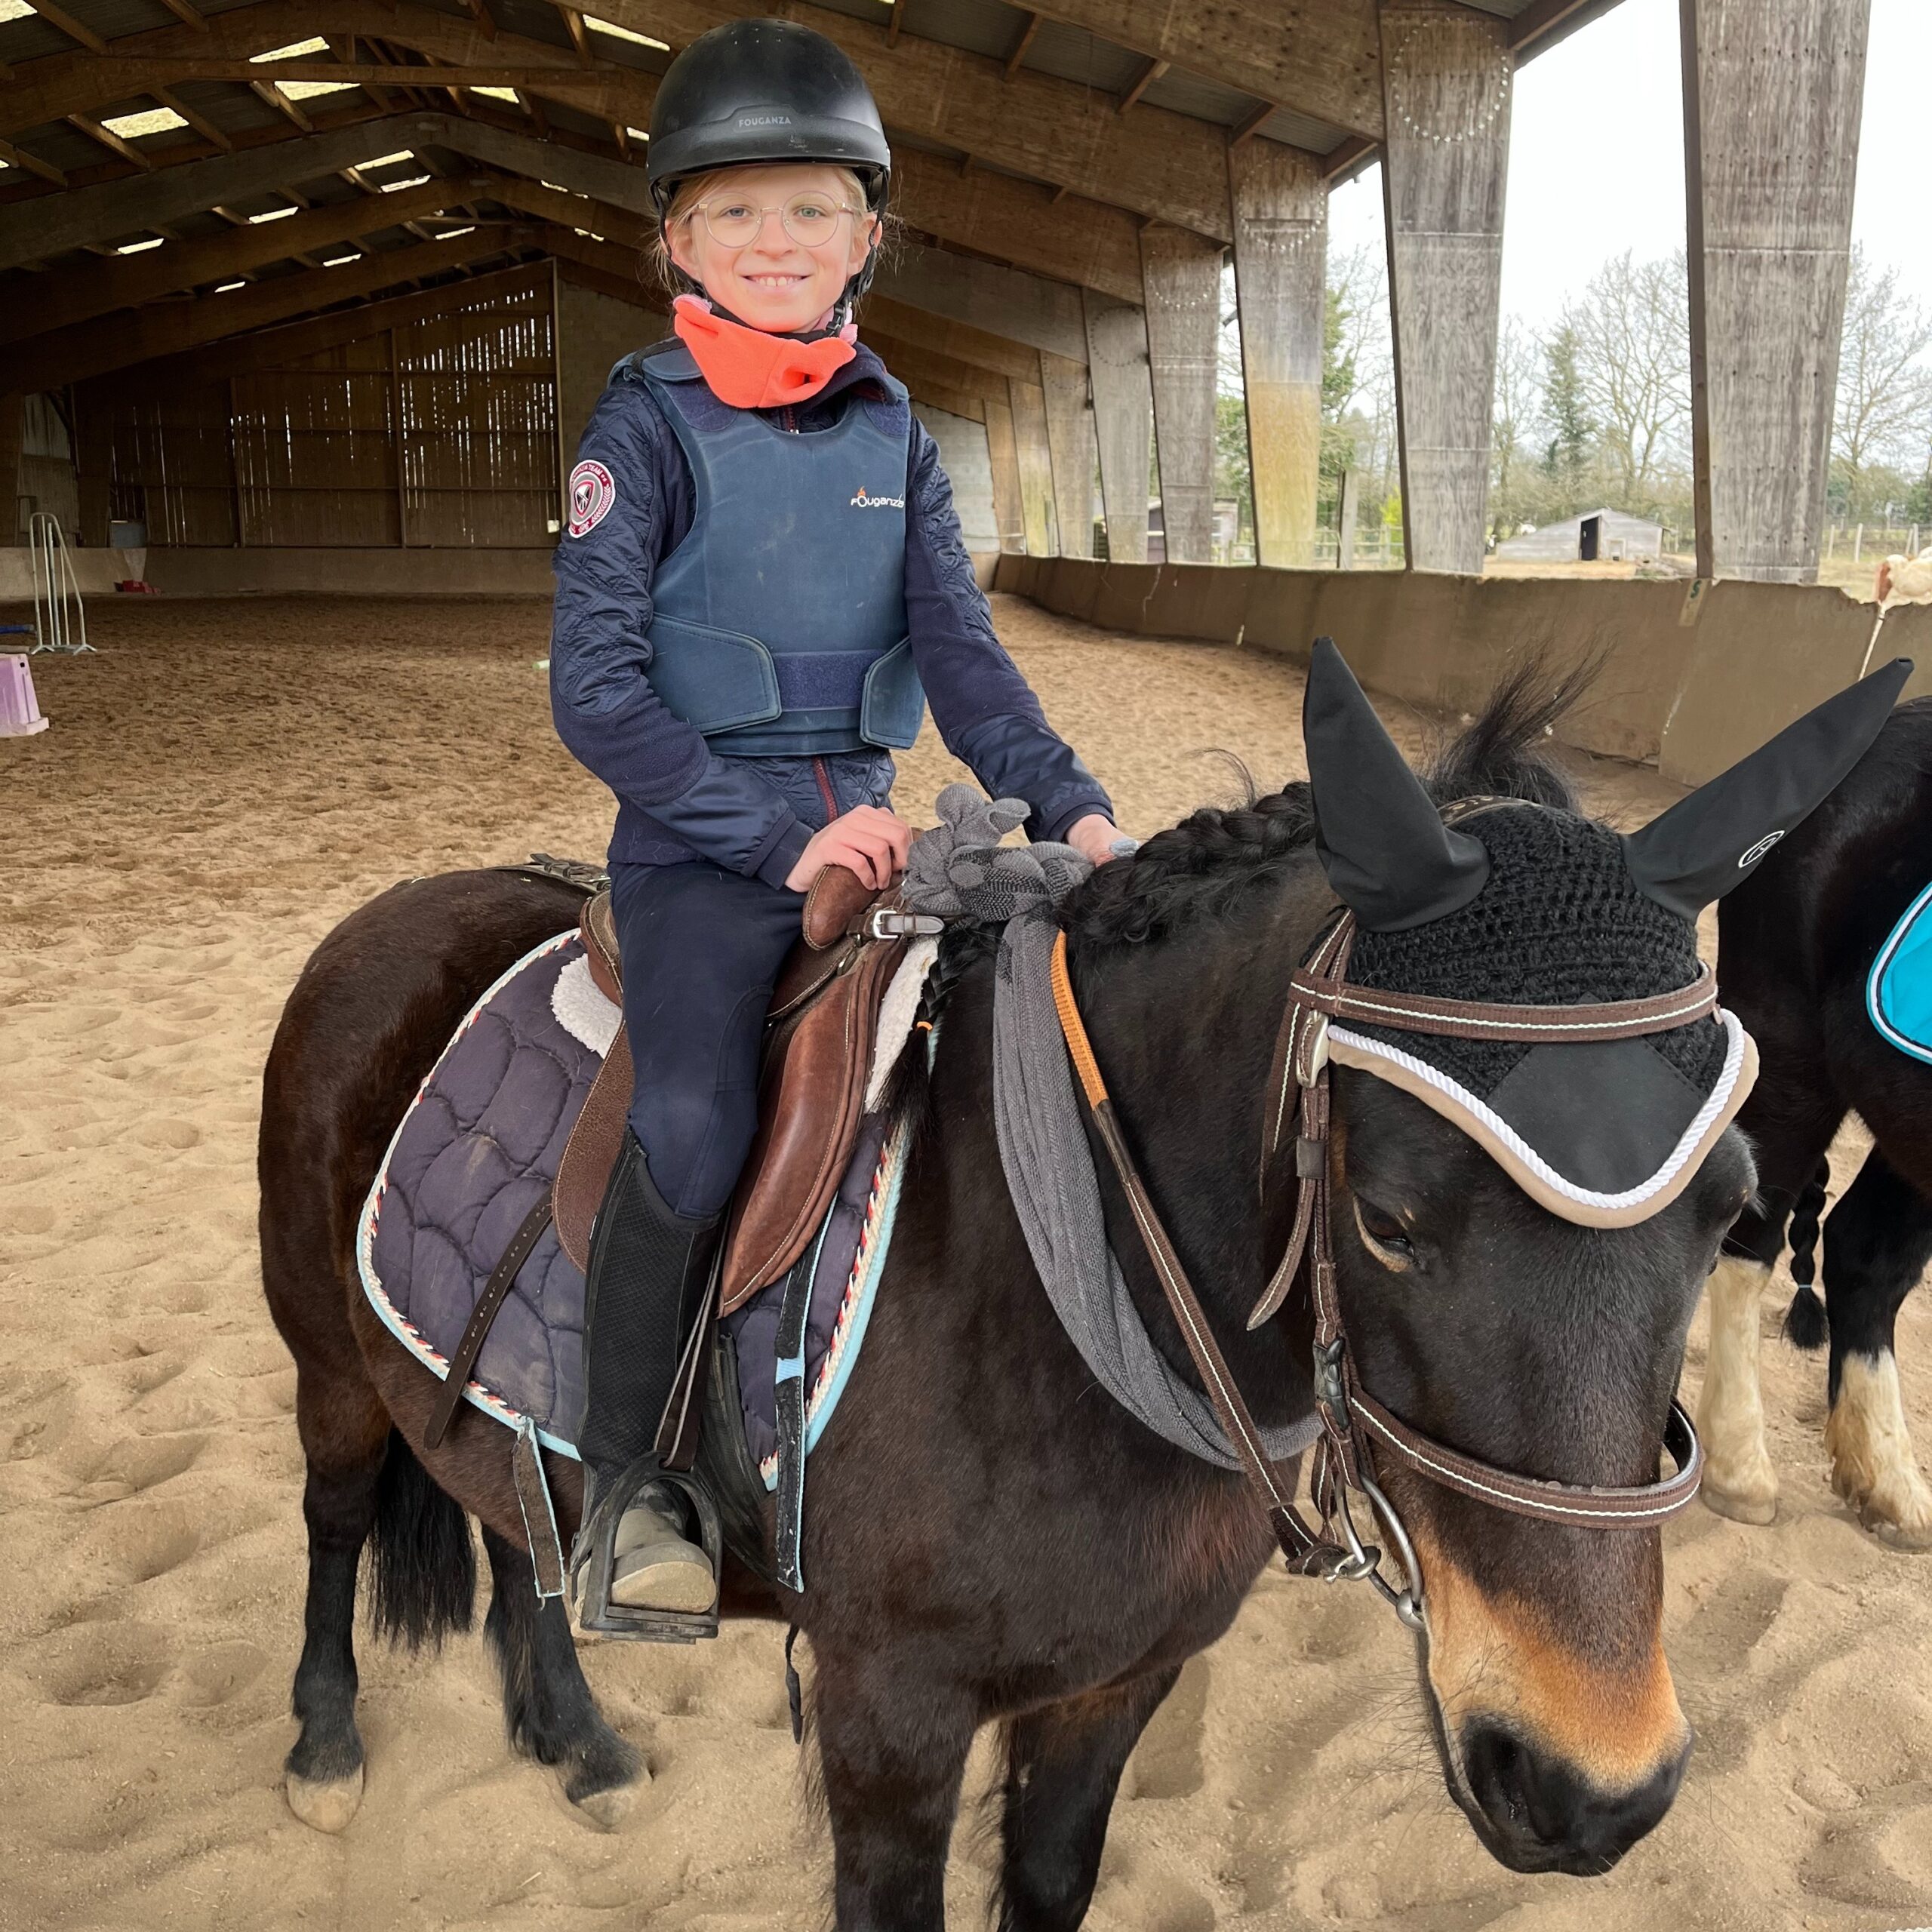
1806	1323
422	1565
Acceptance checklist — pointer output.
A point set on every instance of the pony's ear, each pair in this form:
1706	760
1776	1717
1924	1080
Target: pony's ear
1713	840
1389	857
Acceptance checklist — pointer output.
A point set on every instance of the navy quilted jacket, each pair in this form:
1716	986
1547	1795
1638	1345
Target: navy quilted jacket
678	799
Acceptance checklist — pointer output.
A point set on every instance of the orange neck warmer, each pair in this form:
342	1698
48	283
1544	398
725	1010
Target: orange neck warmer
750	370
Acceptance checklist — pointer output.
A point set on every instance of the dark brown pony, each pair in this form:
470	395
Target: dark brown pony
989	1538
1796	944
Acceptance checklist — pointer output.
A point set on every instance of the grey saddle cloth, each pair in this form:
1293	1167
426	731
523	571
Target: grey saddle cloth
478	1148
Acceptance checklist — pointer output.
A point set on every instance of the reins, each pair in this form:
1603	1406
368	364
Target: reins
1355	1428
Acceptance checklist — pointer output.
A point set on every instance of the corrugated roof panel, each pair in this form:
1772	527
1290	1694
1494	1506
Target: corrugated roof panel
1073	54
31	39
1302	131
1182	93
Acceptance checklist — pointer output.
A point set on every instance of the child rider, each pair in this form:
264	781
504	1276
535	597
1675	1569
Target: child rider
762	585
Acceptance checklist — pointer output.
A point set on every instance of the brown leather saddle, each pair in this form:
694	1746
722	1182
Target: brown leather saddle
819	1036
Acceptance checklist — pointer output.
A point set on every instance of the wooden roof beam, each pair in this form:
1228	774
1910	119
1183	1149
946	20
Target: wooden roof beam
216	136
274	346
1321	58
47	360
74	30
107	138
31	163
1017	58
186	15
73	297
1148	76
268	91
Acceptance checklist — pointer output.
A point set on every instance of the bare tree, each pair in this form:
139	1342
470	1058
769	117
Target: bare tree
1518	401
1885	398
1631	330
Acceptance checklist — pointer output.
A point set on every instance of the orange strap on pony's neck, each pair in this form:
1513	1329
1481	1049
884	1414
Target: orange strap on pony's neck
750	370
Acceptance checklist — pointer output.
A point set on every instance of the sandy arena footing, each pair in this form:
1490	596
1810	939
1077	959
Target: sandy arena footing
219	786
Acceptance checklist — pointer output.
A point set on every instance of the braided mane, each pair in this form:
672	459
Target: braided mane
1216	855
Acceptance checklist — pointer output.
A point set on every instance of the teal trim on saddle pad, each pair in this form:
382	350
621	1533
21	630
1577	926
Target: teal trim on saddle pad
1898	993
855	1305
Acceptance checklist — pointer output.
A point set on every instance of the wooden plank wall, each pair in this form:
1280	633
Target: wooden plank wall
439	432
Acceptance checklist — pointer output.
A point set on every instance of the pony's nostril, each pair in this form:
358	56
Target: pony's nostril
1545	1813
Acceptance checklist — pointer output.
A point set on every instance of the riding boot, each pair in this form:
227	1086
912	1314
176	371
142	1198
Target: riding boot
648	1287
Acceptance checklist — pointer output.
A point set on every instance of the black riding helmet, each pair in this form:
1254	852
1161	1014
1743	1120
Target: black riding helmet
767	90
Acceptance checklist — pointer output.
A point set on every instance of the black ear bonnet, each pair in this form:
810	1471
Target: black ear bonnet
1512	904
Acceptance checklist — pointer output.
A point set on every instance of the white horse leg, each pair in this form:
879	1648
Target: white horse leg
1739	1480
1872	1465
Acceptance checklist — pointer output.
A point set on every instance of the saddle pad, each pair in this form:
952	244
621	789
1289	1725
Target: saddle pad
1898	994
474	1153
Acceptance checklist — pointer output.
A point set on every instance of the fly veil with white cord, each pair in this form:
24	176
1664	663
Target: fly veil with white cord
1532	977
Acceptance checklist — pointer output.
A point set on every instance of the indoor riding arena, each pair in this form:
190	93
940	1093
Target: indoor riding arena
308	307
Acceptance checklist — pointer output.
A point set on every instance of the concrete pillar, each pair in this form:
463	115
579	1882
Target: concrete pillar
1036	470
1773	94
1009	499
1280	212
1446	80
1070	445
1123	420
1181	273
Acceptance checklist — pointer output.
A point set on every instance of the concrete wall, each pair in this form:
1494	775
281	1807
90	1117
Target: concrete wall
338	573
1692	682
96	571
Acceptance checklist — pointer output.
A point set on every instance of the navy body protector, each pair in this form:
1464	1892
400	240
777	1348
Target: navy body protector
780	627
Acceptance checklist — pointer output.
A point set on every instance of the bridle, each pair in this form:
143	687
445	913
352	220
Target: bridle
1356	1429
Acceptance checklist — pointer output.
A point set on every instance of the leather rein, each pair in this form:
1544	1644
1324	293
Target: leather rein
1356	1429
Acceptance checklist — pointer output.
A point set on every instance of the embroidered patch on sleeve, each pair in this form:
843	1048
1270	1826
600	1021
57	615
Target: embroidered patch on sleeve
592	493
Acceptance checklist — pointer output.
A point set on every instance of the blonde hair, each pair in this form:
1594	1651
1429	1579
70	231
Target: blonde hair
685	197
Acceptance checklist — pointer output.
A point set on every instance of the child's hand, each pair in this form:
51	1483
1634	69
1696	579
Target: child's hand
1094	837
870	841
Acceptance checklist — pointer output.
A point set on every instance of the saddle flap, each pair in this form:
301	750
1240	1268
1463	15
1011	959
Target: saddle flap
811	1096
810	1103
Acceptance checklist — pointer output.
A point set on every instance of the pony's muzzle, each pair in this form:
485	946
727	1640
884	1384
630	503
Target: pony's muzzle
1543	1814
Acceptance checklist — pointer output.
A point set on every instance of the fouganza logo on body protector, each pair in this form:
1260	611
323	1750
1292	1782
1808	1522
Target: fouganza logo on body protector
1758	851
863	502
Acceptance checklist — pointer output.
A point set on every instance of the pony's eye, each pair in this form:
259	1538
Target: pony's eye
1383	1235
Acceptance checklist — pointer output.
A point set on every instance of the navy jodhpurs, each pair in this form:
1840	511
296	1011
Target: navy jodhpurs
701	949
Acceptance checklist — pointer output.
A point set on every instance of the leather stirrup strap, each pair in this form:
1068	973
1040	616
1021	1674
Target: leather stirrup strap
450	1394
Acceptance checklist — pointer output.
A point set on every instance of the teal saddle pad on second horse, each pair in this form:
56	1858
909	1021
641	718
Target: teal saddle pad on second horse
1898	995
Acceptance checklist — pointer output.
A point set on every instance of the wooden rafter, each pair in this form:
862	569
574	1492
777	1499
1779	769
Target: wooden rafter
580	35
486	21
1245	131
20	158
186	15
1149	76
1015	59
281	103
209	132
111	141
59	17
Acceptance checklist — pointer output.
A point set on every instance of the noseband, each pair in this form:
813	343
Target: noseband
1356	1429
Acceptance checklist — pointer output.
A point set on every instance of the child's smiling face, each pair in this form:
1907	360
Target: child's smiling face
774	280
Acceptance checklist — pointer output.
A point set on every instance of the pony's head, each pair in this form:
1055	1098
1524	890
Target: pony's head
1525	1225
1521	1227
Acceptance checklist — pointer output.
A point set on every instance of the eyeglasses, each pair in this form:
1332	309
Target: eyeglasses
810	220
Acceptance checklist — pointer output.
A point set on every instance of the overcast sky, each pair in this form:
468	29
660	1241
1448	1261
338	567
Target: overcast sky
1596	155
